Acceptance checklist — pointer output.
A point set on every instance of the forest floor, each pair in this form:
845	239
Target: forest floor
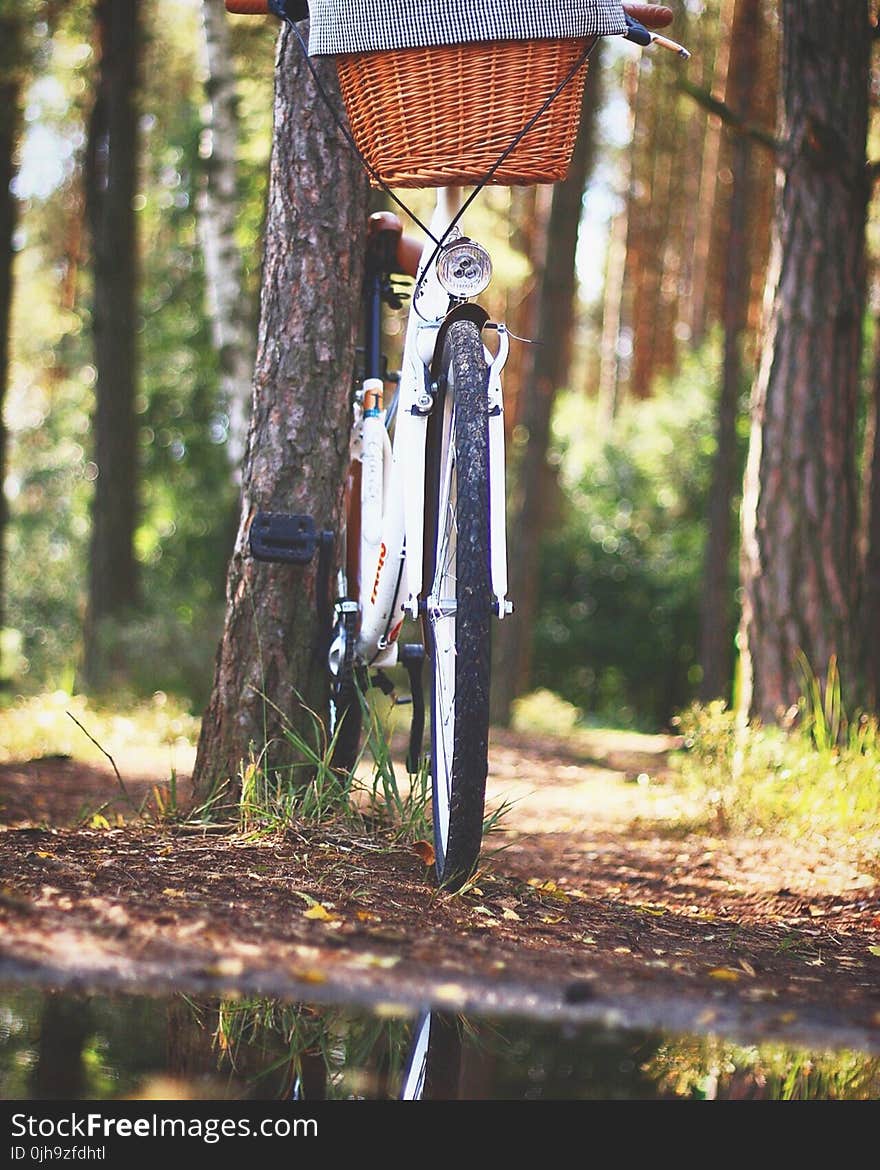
605	896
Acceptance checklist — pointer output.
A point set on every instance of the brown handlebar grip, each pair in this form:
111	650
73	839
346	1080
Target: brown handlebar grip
248	7
650	15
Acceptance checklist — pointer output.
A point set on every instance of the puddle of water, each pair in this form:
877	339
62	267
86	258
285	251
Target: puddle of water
63	1046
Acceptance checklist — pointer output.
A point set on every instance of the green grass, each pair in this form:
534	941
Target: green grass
373	799
819	780
59	724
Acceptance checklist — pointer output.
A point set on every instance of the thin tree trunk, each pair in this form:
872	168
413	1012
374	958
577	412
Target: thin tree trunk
615	270
271	660
11	53
870	553
549	370
707	209
111	179
529	212
799	505
218	208
715	611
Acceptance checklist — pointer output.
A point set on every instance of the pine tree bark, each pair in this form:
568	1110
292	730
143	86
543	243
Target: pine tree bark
870	534
799	504
716	617
217	208
11	55
111	178
549	367
271	663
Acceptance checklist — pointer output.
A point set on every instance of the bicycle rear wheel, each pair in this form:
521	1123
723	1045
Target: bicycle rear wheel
458	608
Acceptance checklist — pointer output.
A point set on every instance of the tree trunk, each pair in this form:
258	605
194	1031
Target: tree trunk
615	272
715	612
870	559
799	504
271	659
707	203
11	54
549	370
111	179
217	208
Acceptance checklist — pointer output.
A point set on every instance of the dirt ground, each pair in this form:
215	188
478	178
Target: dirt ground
600	899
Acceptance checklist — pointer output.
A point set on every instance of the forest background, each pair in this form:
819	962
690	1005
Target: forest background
134	153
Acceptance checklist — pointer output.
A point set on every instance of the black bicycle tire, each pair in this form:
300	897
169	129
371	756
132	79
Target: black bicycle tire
463	403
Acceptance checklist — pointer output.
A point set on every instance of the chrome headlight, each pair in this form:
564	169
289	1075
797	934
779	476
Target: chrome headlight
464	268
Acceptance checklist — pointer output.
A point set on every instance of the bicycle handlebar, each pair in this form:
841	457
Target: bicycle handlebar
248	7
650	15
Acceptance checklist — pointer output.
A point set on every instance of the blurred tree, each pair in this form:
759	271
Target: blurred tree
799	498
870	534
111	176
697	308
218	205
60	1072
546	372
270	662
615	270
716	607
12	52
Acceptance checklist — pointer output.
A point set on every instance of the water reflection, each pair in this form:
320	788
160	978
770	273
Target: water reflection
57	1045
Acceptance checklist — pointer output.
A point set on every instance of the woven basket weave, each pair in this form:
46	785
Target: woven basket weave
442	116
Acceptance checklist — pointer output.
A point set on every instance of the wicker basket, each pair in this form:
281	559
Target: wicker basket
442	116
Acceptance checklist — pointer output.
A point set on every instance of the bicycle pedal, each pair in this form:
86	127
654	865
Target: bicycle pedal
285	539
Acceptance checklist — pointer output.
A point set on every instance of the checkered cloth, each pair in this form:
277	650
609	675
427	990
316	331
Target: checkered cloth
352	26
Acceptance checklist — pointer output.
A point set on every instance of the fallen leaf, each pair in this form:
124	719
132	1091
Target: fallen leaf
99	822
169	893
511	914
382	962
726	974
550	887
310	975
449	992
747	967
657	911
320	913
874	951
224	968
40	853
390	1011
552	919
367	916
424	850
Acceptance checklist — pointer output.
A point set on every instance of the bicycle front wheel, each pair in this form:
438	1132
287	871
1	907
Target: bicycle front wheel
458	606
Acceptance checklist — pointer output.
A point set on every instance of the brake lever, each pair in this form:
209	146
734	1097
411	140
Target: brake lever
639	35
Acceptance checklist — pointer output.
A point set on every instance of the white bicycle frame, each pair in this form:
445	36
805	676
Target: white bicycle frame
392	502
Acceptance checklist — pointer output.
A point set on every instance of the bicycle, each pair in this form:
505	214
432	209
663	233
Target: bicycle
425	535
